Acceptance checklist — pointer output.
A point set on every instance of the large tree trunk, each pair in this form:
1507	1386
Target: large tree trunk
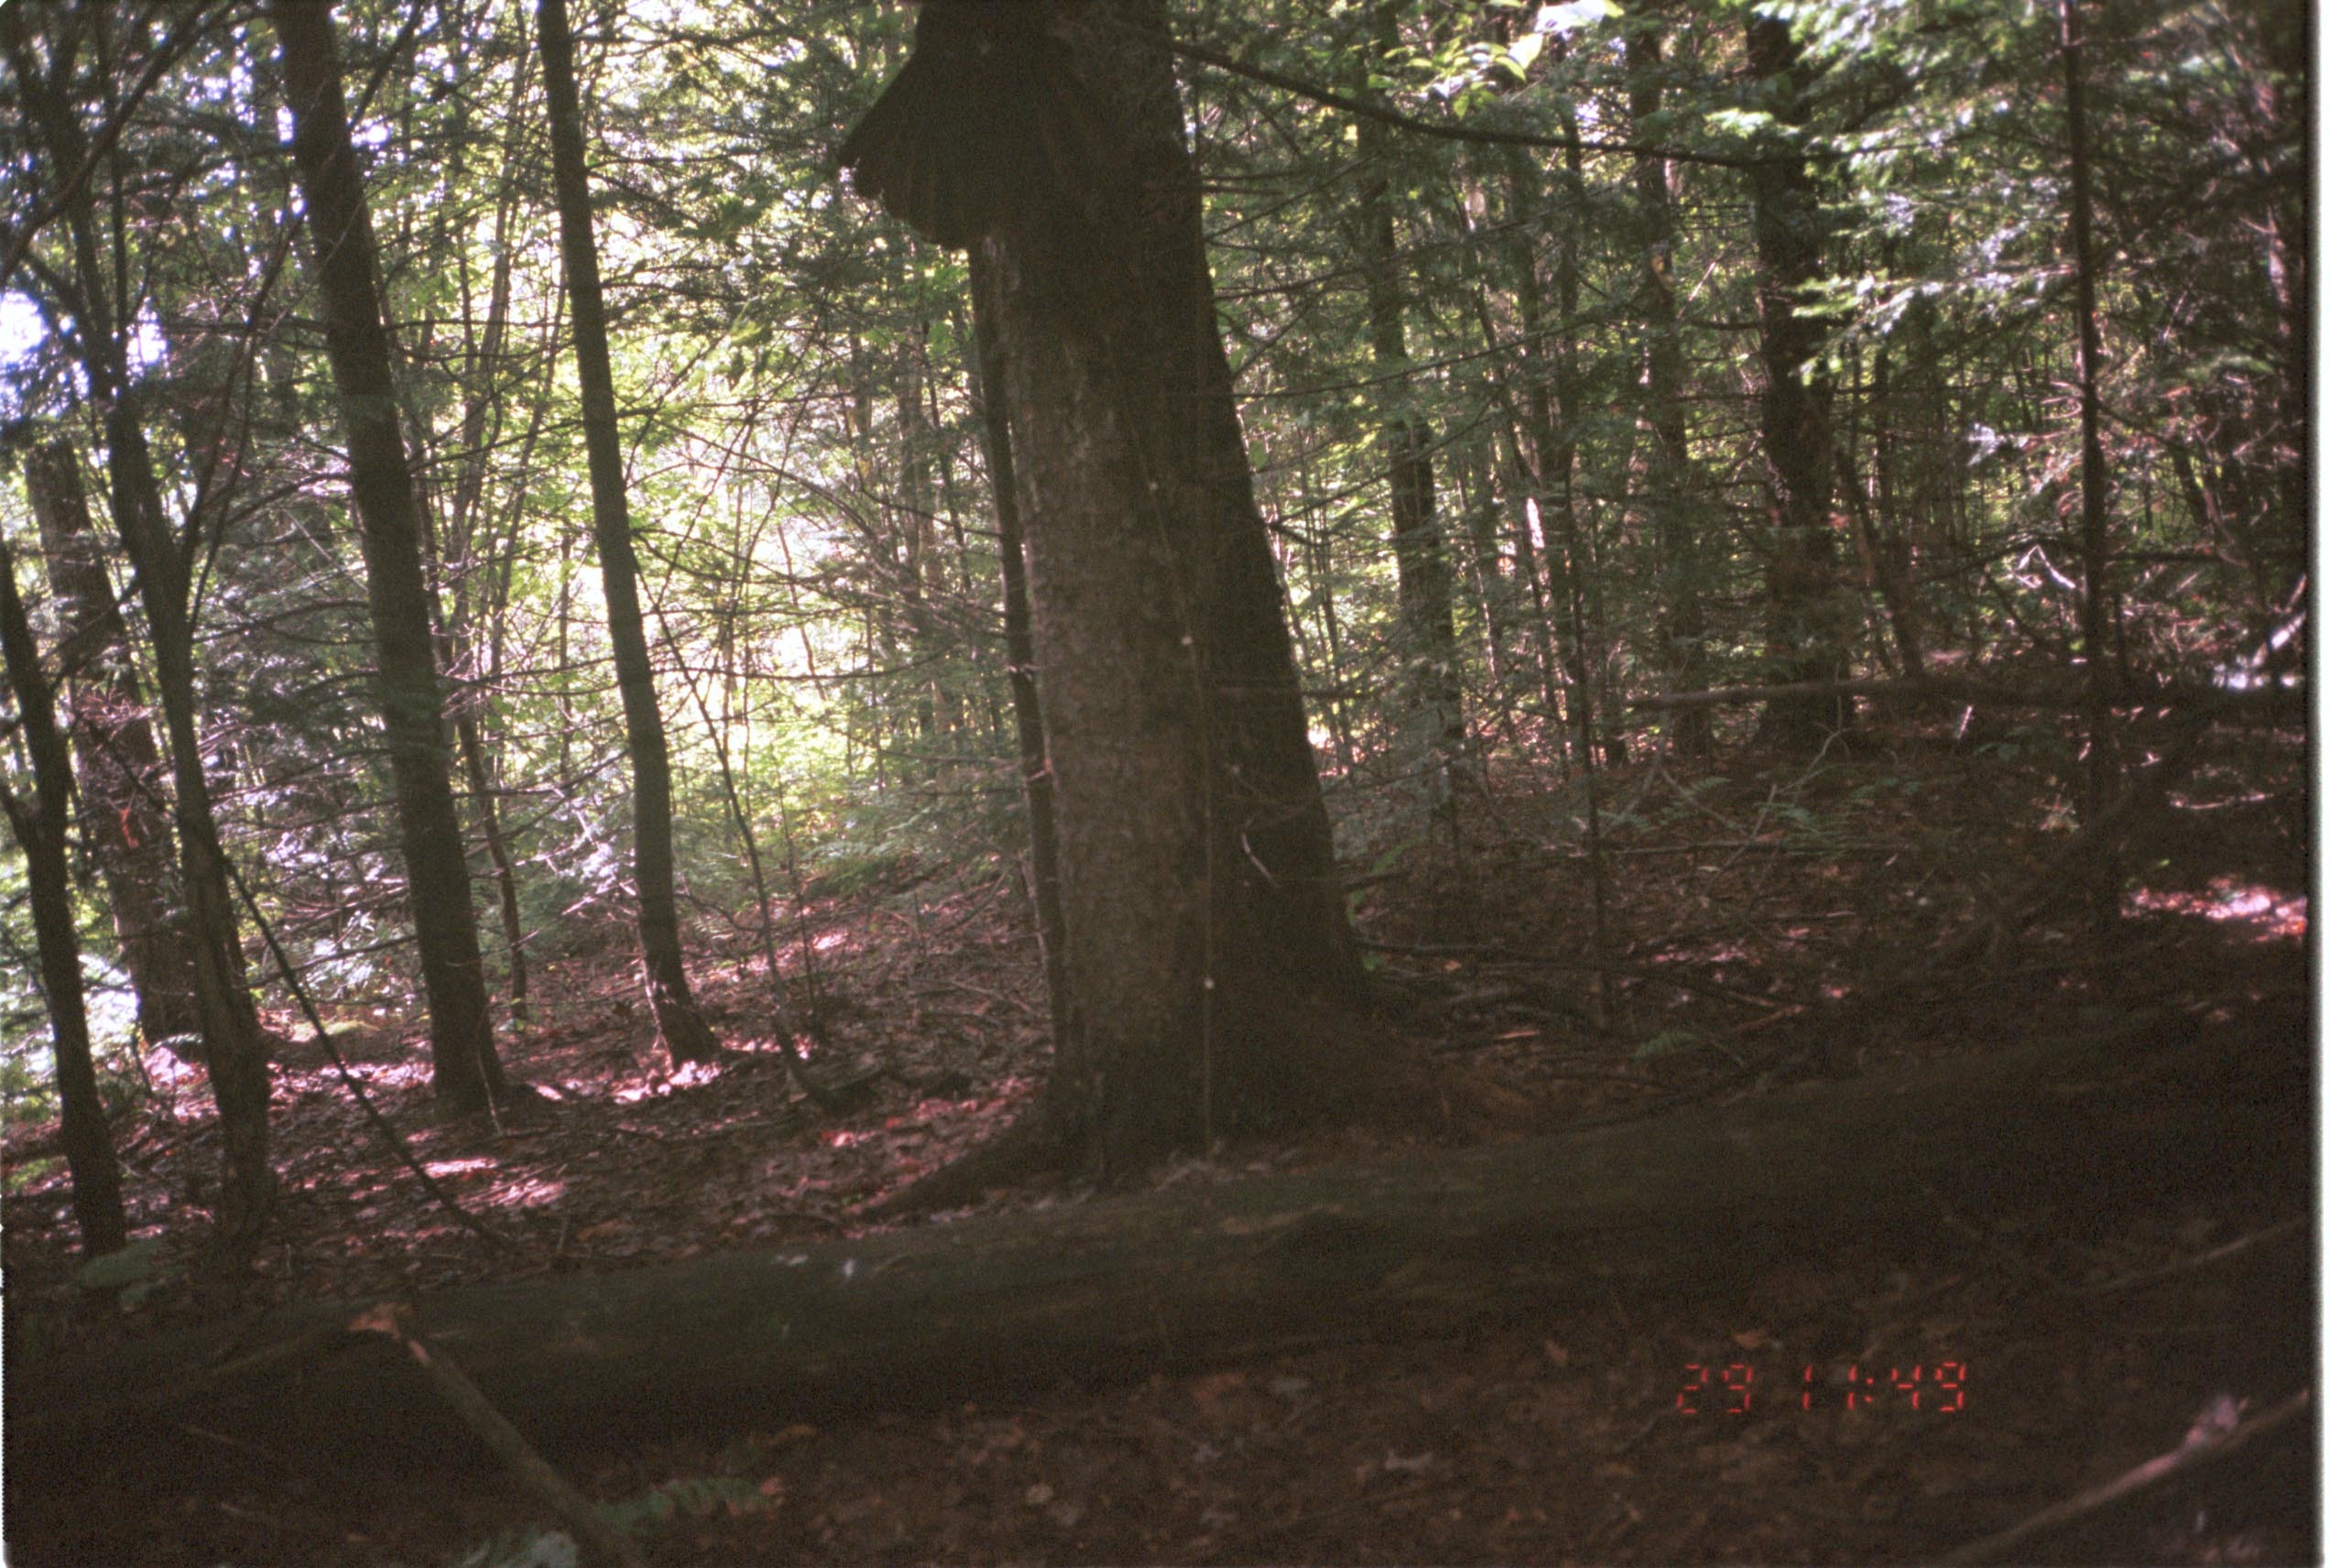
123	796
1198	887
1198	891
1806	628
233	1048
677	1019
467	1072
39	828
1693	1203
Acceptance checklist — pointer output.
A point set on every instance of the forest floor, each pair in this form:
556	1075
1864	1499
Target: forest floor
1739	907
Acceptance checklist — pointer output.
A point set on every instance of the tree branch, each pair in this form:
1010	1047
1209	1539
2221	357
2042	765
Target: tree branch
1454	132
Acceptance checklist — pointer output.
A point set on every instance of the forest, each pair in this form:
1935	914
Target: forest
1157	781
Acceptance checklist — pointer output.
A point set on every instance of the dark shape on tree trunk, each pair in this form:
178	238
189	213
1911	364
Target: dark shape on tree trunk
986	121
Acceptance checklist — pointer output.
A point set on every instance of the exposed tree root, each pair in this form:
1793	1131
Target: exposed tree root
1028	1146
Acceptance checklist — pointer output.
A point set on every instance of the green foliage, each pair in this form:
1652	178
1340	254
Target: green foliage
27	1069
1666	1042
131	1273
24	1175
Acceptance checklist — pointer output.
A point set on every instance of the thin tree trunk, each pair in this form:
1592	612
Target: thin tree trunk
678	1021
233	1048
1544	639
917	536
1804	638
1549	463
1319	566
1869	500
1431	700
2099	780
467	1072
124	804
1589	625
481	406
1476	499
1675	521
39	827
1019	648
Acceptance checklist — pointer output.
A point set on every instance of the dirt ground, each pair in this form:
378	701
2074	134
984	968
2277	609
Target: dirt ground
1901	1406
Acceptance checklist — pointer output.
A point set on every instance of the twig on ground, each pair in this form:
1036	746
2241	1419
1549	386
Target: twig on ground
596	1536
2185	1264
2198	1450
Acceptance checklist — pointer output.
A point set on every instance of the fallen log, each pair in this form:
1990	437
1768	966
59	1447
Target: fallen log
1691	1202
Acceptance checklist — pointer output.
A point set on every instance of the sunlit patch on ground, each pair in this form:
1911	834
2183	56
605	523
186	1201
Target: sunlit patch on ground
2267	914
171	1071
526	1194
687	1075
757	1045
414	1074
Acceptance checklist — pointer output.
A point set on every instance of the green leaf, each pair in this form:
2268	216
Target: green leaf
1740	122
1570	18
1665	1040
130	1265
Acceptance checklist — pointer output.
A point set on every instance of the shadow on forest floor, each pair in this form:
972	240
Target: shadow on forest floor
1743	910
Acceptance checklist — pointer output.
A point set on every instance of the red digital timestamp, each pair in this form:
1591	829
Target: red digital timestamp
1735	1390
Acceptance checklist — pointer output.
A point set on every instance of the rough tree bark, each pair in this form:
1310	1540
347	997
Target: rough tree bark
1201	909
124	796
467	1073
1204	926
678	1020
38	824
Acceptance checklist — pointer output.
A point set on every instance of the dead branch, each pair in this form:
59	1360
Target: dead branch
602	1540
2203	1447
